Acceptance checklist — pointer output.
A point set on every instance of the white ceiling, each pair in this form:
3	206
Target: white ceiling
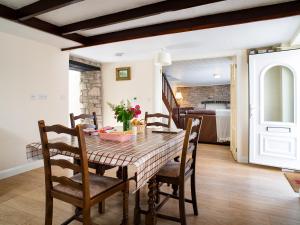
224	6
201	42
199	72
93	8
16	4
181	45
16	29
296	39
89	9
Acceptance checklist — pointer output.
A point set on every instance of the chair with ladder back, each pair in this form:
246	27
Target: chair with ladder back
176	173
92	123
84	189
158	116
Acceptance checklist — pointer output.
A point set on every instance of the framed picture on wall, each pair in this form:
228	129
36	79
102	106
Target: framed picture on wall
123	73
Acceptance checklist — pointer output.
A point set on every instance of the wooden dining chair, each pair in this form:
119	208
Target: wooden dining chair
100	168
93	120
176	173
84	189
158	116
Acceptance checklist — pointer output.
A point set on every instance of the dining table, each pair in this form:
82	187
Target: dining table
145	154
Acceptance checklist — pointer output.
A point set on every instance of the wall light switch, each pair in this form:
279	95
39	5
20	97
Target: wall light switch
43	97
33	97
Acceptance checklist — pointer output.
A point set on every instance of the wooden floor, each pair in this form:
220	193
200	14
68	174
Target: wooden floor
228	193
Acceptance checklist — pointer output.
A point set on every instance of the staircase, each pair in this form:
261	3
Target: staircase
170	101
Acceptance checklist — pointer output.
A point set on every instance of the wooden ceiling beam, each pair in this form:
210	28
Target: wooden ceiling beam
204	22
41	7
53	29
11	14
135	13
8	13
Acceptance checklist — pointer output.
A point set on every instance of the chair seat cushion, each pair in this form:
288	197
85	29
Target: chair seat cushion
171	169
98	184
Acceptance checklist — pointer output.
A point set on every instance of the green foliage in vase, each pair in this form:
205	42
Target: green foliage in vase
125	111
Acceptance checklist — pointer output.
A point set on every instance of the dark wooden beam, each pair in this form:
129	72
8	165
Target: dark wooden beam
41	7
135	13
53	29
11	14
8	13
204	22
82	67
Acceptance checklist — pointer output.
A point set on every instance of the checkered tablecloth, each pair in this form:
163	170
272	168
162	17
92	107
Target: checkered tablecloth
147	152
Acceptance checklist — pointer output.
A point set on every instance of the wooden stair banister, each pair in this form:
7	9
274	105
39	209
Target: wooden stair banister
169	100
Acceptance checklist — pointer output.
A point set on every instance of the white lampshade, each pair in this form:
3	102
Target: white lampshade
178	96
164	58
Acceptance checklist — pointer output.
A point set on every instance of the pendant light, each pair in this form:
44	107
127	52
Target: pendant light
164	58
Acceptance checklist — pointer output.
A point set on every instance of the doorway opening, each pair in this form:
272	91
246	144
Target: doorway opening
203	87
74	92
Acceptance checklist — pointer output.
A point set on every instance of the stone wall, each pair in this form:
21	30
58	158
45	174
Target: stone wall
193	96
91	90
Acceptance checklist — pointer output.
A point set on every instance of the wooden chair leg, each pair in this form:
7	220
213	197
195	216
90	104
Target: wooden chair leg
137	208
125	204
100	170
151	218
101	207
194	196
86	214
182	205
49	210
175	189
120	172
157	197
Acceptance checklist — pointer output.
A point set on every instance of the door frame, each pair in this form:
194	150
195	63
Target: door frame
233	113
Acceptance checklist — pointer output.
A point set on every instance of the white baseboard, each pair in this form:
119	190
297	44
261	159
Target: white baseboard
21	169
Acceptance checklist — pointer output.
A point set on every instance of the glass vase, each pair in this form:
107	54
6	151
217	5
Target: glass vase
126	125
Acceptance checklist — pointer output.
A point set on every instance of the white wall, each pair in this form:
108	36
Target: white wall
157	95
141	86
33	86
242	106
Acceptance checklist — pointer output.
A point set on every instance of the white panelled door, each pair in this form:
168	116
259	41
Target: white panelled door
274	80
